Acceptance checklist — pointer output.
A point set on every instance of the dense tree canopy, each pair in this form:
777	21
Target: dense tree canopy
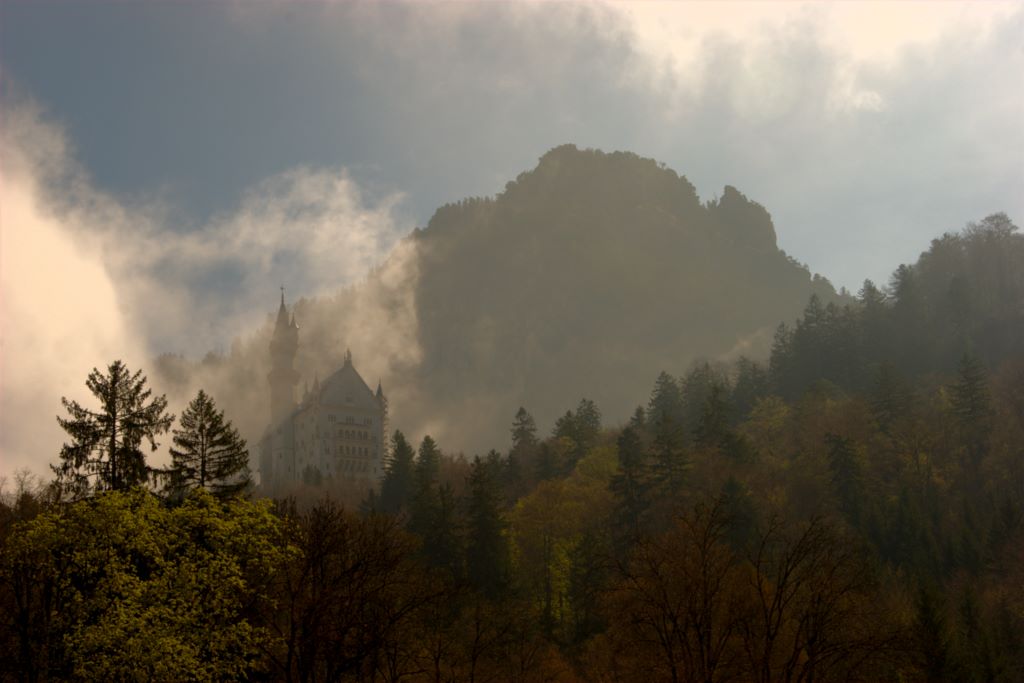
105	452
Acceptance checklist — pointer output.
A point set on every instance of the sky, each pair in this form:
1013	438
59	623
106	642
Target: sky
165	166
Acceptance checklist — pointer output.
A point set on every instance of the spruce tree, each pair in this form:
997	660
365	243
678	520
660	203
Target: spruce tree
487	551
629	485
523	453
666	400
208	452
396	491
425	503
972	409
105	453
669	463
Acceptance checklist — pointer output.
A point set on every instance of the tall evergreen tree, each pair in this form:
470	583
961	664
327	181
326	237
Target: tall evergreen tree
751	384
588	424
105	452
890	399
669	464
638	421
208	452
629	485
425	502
441	542
523	453
487	550
396	490
972	409
666	400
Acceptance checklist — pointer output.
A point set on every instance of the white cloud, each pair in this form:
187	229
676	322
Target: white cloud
87	279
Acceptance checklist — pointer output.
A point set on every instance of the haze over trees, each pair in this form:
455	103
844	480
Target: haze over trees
849	507
586	276
105	452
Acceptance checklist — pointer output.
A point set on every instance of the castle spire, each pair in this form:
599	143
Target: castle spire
282	312
348	357
283	378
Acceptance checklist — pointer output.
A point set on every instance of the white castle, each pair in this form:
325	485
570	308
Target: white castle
335	431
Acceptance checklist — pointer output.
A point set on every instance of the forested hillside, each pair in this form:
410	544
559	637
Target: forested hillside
850	510
586	276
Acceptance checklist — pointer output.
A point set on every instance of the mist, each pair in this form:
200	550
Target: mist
88	279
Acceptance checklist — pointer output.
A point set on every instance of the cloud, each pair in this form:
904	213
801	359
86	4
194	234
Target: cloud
288	144
88	279
866	130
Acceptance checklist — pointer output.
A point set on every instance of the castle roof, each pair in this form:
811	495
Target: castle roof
347	388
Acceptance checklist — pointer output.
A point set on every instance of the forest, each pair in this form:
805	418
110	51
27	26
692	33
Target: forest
850	508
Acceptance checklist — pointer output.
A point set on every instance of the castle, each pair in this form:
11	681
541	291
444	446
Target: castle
335	431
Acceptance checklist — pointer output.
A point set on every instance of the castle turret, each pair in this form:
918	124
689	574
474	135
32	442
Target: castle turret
283	378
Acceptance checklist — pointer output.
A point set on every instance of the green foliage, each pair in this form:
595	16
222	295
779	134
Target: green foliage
105	453
208	452
129	589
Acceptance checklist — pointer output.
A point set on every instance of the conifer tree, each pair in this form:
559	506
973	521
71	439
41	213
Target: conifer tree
523	452
638	421
666	400
588	424
669	463
972	409
890	399
208	452
441	543
487	551
396	491
105	453
629	485
425	502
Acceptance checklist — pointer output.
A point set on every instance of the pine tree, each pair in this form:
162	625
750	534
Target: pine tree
523	452
208	452
396	490
751	385
638	421
890	399
629	485
669	464
441	544
588	424
105	451
487	551
666	400
425	503
972	409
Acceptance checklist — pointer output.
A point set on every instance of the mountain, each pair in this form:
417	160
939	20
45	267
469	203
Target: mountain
585	277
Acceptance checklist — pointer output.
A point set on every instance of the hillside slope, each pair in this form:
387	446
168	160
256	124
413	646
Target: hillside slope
586	277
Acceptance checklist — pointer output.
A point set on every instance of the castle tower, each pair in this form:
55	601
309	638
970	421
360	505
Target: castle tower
283	378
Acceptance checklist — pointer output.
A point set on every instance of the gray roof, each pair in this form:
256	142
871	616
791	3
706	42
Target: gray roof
345	388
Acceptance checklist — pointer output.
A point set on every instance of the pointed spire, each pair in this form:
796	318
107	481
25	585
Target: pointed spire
282	312
348	357
380	391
